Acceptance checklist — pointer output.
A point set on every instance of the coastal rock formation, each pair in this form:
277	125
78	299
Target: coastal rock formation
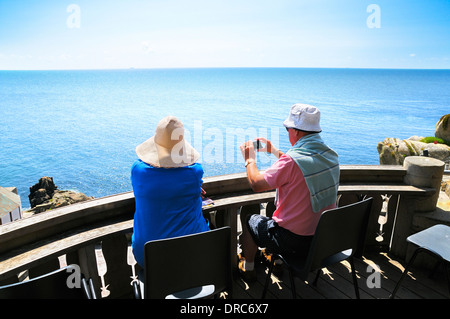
445	187
393	151
444	195
45	195
443	128
42	191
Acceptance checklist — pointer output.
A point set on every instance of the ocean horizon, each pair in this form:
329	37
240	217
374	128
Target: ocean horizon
81	127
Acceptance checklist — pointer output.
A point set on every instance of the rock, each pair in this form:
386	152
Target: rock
45	196
445	187
443	128
393	151
42	191
39	197
64	198
444	196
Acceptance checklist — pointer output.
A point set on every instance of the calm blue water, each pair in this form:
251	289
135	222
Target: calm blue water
81	127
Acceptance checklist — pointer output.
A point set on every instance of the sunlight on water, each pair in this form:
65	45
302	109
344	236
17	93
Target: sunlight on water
81	127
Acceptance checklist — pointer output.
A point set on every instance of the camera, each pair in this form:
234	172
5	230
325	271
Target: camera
257	145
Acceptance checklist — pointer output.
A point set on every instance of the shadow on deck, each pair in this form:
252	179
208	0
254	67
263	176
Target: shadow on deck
377	275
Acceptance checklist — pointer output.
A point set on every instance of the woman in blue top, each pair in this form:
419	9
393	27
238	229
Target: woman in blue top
167	185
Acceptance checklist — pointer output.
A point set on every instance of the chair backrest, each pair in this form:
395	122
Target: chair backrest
340	229
53	285
180	263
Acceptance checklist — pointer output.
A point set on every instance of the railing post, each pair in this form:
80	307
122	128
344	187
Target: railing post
230	219
421	172
424	171
119	273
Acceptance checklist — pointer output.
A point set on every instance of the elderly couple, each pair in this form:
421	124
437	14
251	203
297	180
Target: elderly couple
167	189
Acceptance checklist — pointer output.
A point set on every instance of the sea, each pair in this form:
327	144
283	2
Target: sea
81	127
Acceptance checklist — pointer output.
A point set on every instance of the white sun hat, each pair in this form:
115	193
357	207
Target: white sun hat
304	117
168	148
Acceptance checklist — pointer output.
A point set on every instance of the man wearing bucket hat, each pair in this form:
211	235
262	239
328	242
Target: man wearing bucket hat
306	179
167	184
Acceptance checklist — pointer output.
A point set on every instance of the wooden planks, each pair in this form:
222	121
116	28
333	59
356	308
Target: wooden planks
336	283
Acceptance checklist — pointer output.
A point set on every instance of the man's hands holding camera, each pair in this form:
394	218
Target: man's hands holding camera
250	148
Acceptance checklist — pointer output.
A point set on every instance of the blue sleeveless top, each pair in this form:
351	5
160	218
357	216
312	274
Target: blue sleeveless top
168	204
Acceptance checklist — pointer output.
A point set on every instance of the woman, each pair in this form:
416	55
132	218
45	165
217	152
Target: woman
167	184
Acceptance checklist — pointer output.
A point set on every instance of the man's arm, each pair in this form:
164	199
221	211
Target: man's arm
254	177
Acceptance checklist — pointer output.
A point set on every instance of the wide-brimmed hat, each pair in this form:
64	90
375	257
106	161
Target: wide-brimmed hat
304	117
168	148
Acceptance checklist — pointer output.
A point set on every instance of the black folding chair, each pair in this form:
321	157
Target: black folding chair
187	267
54	285
339	236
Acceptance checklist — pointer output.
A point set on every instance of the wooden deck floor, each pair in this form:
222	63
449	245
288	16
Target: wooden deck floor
336	283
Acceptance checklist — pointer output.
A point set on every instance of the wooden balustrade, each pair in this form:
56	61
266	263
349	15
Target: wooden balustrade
84	232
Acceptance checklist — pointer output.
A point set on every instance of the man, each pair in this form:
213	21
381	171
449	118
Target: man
306	179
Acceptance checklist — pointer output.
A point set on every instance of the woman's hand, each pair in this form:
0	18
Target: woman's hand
203	193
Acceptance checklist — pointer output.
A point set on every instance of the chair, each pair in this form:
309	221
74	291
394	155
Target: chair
434	241
187	267
49	286
339	236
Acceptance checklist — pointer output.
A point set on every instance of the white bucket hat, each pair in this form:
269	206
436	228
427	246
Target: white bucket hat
304	117
168	148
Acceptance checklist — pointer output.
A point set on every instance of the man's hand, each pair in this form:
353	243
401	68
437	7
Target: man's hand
255	179
248	151
269	148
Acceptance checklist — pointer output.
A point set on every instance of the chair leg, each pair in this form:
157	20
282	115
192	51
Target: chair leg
446	270
266	285
355	281
413	257
438	263
317	277
293	290
269	274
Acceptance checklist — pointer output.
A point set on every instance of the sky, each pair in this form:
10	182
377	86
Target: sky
99	34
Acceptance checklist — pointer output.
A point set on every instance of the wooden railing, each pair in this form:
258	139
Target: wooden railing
96	234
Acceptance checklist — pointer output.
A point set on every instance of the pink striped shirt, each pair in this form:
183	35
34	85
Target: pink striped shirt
293	206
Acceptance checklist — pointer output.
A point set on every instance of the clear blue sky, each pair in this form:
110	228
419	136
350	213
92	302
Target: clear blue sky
40	34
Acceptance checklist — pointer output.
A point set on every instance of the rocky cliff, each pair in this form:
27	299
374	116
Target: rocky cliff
45	195
393	151
442	130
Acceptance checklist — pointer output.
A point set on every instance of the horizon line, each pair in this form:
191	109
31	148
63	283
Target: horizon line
229	67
